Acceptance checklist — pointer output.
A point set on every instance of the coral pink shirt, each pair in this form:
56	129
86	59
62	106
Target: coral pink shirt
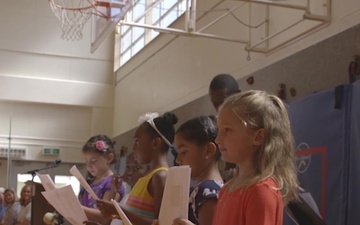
257	205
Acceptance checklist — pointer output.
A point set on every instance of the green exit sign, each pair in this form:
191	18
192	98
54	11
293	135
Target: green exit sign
56	151
51	151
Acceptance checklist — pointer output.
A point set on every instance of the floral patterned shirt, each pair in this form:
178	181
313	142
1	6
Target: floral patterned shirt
203	191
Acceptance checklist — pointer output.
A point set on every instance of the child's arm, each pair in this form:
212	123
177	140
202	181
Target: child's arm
177	221
206	212
93	214
113	193
95	217
108	210
156	190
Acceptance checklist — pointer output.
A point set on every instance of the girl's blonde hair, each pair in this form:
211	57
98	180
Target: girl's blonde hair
275	158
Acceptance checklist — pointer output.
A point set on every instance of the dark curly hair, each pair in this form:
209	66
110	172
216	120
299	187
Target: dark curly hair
165	125
200	130
91	146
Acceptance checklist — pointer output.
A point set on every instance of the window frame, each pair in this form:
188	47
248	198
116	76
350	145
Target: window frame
148	34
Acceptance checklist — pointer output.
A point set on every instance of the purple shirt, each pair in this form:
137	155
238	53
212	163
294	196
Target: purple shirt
100	188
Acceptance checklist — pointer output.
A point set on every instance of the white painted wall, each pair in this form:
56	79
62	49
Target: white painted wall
36	126
173	71
57	93
3	172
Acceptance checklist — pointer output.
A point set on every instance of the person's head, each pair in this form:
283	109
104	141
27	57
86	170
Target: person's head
195	143
9	196
154	136
25	194
254	129
99	153
133	170
221	87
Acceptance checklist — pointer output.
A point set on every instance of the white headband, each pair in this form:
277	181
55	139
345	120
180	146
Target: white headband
149	118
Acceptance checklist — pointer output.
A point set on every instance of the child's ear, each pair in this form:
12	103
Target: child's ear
156	143
210	150
110	158
259	137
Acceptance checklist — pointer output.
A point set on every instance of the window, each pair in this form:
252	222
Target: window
59	181
22	179
150	12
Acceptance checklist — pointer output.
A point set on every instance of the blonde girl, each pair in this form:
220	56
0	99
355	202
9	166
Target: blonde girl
25	202
254	133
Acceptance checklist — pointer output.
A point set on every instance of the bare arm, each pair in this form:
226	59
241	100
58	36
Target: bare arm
116	184
93	214
108	211
155	188
206	212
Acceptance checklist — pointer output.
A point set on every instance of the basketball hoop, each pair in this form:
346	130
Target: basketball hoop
73	14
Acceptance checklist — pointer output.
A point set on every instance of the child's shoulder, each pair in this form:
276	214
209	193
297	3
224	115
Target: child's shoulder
158	174
161	171
210	183
267	188
267	183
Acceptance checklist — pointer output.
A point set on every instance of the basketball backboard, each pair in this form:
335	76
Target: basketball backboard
104	21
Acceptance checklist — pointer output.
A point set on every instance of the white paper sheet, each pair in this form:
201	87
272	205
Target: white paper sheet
46	182
76	173
175	199
66	203
124	218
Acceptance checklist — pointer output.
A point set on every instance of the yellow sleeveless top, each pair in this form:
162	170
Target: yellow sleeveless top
140	201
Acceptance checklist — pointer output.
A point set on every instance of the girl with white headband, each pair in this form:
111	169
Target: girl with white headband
152	140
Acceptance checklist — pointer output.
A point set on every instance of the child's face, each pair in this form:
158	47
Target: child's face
9	197
143	146
235	140
133	171
218	96
191	154
96	164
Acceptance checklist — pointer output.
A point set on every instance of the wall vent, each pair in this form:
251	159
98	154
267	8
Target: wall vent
15	152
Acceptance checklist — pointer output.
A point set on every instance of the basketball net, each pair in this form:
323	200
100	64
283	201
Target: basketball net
73	15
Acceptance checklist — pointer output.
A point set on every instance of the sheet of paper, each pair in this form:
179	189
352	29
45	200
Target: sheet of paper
76	173
175	199
66	203
46	182
124	218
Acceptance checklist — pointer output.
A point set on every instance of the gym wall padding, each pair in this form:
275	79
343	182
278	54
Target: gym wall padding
326	129
353	189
